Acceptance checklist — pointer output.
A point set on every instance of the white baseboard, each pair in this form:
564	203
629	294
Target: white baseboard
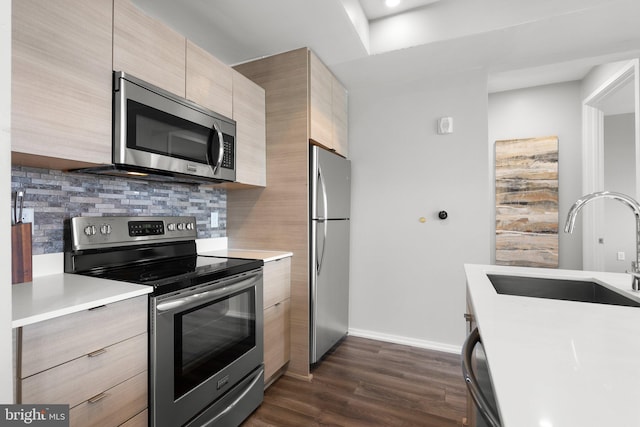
396	339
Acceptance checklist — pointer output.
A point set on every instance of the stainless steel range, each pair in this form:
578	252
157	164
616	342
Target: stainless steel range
205	315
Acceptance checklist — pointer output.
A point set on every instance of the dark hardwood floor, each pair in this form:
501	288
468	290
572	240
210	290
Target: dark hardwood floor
370	383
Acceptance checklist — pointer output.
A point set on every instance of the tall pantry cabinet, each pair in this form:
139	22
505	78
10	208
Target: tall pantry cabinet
304	103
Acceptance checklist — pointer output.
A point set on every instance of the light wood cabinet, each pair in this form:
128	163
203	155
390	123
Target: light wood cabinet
63	56
61	82
249	114
95	361
320	102
327	108
276	301
340	108
277	217
209	82
147	48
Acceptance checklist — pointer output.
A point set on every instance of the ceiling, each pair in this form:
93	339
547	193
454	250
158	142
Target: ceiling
519	43
374	9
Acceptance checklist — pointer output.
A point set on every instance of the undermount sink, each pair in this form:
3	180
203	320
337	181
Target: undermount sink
560	289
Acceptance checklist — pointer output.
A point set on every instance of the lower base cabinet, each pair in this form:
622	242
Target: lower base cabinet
112	407
95	361
277	291
276	339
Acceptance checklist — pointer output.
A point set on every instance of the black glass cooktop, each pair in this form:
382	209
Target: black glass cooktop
170	275
166	267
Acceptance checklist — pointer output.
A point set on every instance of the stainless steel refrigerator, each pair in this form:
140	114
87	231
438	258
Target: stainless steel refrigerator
330	181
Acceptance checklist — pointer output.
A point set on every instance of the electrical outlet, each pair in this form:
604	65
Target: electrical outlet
214	220
620	256
27	215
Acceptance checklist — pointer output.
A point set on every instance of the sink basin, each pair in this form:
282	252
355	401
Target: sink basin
561	289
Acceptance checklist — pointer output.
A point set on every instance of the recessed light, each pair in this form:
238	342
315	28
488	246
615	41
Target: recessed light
392	3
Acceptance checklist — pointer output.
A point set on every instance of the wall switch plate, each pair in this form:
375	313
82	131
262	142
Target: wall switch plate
620	256
214	220
445	125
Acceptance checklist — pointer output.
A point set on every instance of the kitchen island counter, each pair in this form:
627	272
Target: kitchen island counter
559	363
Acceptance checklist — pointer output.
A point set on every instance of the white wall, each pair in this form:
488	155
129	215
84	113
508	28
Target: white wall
544	111
619	175
407	277
598	75
6	378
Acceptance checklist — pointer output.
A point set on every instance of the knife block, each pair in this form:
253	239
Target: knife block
21	267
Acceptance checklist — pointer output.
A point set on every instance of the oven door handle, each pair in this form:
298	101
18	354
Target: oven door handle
199	297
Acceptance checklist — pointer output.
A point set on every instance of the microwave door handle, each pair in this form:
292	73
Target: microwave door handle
220	148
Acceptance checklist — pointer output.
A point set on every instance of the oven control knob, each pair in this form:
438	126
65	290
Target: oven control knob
171	227
181	226
105	229
190	226
90	230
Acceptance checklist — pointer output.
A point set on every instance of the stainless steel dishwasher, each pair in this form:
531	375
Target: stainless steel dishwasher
476	375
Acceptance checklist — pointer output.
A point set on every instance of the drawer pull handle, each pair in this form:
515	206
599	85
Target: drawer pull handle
98	307
97	352
97	398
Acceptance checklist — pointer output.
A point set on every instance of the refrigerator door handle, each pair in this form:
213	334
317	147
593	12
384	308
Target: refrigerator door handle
320	257
324	193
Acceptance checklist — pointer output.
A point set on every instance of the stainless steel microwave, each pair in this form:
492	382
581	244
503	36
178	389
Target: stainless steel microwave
160	136
154	129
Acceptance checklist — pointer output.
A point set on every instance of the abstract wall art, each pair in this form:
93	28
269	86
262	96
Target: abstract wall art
527	202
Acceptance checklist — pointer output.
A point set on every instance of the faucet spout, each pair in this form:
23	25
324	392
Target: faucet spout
626	200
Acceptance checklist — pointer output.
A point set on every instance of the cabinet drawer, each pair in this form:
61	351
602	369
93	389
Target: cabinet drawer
276	337
140	420
76	381
56	341
277	281
114	406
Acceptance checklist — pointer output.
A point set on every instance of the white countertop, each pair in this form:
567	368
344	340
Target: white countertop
265	256
55	295
559	363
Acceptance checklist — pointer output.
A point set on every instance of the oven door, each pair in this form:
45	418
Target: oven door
204	342
158	130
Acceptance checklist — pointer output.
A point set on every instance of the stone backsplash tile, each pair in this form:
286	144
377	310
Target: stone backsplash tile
58	196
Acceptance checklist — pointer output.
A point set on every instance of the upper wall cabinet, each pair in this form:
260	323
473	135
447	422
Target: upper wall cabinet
61	82
340	124
147	49
209	81
249	114
328	108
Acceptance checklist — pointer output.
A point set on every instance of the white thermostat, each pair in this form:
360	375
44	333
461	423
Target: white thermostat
445	125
